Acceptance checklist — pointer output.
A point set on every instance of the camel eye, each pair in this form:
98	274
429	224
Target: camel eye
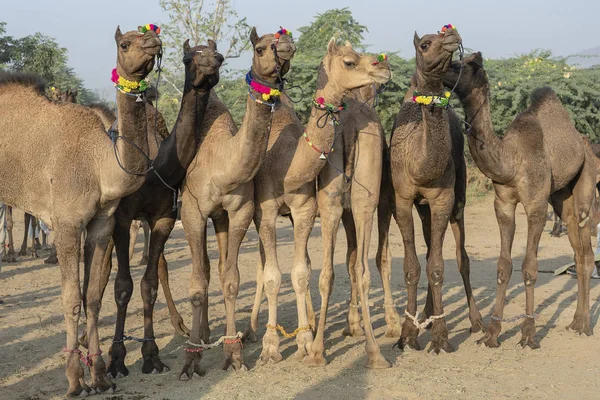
349	64
425	46
124	46
260	50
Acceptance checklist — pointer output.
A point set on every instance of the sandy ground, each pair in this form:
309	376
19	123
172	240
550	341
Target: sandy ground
566	366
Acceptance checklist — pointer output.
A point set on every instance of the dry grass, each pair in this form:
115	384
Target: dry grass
478	185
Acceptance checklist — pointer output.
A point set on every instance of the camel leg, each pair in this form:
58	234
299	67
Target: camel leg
265	223
239	221
163	277
304	220
26	223
577	213
441	208
194	224
363	217
133	232
123	289
161	229
425	215
383	259
353	327
412	272
536	220
9	255
97	243
330	208
504	206
457	223
68	246
35	241
250	334
145	252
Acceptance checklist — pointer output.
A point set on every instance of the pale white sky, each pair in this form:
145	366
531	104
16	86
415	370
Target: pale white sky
497	28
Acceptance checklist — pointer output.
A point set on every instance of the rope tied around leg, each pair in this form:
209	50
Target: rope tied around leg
85	359
415	319
227	339
288	335
136	339
515	318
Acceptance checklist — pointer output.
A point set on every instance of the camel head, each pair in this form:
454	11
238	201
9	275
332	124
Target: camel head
347	70
272	54
202	65
434	52
472	75
68	96
136	52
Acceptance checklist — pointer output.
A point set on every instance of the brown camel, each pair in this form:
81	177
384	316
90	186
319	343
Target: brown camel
427	170
30	222
219	186
541	158
153	202
285	184
72	192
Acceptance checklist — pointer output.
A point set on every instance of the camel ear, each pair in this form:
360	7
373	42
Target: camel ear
212	45
186	46
118	34
478	60
253	36
416	40
74	92
348	44
332	46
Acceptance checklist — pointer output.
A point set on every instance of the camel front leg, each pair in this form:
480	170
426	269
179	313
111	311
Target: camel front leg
133	232
163	277
239	221
412	273
98	241
330	208
250	334
504	206
194	224
27	224
353	327
265	223
161	229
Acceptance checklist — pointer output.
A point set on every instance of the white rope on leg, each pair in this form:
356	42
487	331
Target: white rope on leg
415	319
203	345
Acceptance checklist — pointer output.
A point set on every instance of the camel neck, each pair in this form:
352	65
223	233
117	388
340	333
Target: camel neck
132	126
249	145
179	149
429	85
486	148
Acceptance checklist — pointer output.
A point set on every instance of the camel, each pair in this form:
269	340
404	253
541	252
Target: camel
285	184
68	96
218	185
427	169
71	192
153	202
541	158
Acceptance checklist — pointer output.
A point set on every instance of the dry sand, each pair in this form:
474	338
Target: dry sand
566	366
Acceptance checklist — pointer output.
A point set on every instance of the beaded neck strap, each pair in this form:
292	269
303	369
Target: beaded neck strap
266	91
432	100
330	111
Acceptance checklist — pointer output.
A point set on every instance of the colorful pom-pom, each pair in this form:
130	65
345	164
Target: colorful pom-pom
114	76
382	57
282	31
446	27
320	100
150	27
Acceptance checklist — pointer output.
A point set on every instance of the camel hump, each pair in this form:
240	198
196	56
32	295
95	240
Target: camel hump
542	96
22	79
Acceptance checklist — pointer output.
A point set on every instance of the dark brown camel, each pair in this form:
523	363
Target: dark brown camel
541	158
428	171
154	203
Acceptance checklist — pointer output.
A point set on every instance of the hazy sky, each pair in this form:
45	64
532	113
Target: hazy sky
497	28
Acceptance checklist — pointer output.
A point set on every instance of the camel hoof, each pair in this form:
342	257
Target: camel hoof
179	326
104	386
489	340
354	331
440	345
151	361
270	351
393	331
581	326
22	253
9	258
377	362
51	260
408	344
477	326
315	359
233	357
191	367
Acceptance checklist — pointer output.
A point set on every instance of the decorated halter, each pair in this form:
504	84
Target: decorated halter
266	91
330	111
436	101
149	27
446	27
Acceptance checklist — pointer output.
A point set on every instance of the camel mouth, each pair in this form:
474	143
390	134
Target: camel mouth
381	77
